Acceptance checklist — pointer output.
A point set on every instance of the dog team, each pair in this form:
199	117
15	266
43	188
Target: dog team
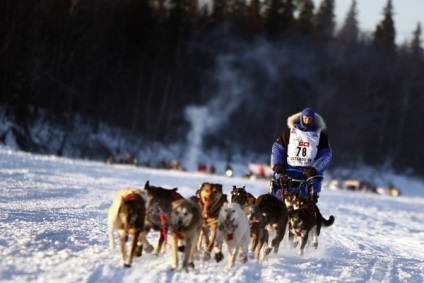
204	222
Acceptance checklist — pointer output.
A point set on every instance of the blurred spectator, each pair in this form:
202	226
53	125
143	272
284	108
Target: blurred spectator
211	169
201	167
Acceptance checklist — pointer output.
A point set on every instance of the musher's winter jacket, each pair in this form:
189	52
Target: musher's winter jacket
280	146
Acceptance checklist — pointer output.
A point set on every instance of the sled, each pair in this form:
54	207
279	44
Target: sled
289	184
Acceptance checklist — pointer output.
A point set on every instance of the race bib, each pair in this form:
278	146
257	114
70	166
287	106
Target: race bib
303	148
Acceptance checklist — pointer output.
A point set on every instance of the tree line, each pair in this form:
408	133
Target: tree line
139	64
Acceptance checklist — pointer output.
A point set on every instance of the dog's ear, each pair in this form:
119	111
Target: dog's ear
146	185
218	187
201	187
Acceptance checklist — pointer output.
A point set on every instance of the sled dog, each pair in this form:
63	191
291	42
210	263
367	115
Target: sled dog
274	213
127	214
241	196
185	225
233	229
305	219
258	234
157	213
289	198
211	199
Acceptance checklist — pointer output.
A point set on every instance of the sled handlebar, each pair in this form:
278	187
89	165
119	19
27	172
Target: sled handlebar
299	171
307	180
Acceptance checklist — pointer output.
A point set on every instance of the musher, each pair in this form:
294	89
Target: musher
301	152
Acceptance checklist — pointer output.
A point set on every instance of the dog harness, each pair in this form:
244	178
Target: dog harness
162	217
134	197
312	211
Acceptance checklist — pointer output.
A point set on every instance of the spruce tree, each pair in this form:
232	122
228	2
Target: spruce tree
384	36
415	46
325	23
287	16
218	11
255	20
349	32
273	17
305	20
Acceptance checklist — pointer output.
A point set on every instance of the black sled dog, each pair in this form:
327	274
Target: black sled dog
306	218
275	215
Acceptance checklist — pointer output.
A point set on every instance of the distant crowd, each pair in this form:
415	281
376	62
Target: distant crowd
165	164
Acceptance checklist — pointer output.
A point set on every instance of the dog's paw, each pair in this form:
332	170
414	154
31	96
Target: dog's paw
191	265
196	256
184	269
127	265
243	258
148	248
219	256
251	255
267	250
300	252
138	251
181	248
206	256
274	242
315	245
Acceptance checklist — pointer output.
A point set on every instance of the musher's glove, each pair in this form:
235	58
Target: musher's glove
310	172
279	169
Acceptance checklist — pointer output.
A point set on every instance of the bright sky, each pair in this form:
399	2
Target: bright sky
407	14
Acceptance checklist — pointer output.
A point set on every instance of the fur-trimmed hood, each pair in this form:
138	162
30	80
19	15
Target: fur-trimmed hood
295	119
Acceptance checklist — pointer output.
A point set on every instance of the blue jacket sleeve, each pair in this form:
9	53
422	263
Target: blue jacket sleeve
278	154
323	160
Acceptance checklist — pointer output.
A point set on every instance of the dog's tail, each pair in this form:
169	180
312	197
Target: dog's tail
328	222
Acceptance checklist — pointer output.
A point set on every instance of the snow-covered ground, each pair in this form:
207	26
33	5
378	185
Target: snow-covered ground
53	228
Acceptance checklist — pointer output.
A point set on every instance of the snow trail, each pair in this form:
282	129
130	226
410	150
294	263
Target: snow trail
53	227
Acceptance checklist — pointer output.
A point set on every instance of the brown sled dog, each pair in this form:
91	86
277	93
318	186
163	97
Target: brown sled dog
274	214
185	225
211	199
127	213
304	219
157	213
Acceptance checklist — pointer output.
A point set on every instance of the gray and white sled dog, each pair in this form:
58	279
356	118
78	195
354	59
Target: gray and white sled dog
185	225
234	230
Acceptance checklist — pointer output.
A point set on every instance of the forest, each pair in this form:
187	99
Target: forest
157	68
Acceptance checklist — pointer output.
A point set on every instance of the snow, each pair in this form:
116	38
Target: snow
53	227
